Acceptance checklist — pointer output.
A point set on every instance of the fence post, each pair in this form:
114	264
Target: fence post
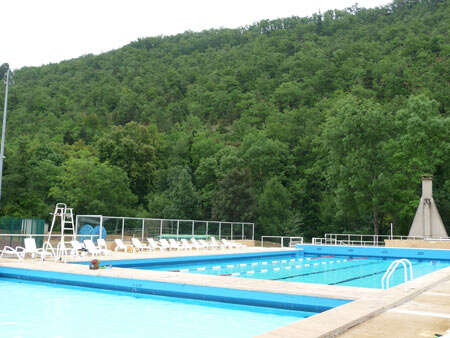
242	231
160	229
220	230
123	227
101	227
231	231
142	235
253	231
207	228
178	228
193	232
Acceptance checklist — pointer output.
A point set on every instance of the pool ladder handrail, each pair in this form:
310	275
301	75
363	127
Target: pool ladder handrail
390	270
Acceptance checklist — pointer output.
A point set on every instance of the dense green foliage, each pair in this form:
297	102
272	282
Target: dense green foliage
301	125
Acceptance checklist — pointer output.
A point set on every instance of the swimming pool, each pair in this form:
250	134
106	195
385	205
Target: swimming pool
329	268
36	309
38	303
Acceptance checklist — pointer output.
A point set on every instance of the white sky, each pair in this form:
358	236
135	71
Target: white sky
36	32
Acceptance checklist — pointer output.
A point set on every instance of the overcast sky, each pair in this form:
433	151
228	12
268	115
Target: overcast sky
36	32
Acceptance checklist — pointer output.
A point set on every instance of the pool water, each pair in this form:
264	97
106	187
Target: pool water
35	309
321	269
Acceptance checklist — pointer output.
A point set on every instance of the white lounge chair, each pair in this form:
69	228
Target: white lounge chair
154	245
120	245
101	243
9	251
77	248
186	244
175	245
205	244
217	244
164	244
30	248
138	245
198	245
233	244
63	250
91	248
227	244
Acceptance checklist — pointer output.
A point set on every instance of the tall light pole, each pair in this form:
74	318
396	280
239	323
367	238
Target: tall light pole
2	149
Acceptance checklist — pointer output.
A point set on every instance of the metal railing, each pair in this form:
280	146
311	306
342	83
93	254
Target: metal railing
292	240
367	240
159	227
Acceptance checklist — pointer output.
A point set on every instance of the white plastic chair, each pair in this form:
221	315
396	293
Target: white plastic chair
175	245
154	245
11	252
186	244
138	245
91	248
217	244
233	244
121	246
77	248
205	244
197	244
30	248
164	244
103	247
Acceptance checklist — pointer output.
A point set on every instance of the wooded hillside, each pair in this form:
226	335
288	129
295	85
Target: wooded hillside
301	125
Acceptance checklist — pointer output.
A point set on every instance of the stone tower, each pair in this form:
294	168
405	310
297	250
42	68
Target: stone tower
427	221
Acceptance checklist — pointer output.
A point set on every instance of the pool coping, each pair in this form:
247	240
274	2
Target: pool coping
367	302
335	321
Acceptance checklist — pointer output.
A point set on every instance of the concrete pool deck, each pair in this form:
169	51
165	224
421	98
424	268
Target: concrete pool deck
368	304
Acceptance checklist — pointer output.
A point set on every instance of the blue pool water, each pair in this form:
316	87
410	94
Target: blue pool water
36	309
292	267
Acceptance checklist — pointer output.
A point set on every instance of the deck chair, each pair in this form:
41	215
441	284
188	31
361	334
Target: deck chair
138	245
233	244
186	244
164	244
175	245
121	246
77	248
91	248
30	248
198	245
101	243
9	251
167	244
154	245
217	244
227	244
205	244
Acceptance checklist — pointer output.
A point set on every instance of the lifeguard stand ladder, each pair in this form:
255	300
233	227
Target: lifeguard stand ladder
67	227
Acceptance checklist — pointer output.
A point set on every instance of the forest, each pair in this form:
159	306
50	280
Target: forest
300	125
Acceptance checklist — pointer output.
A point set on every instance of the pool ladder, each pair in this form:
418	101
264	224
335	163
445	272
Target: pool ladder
390	270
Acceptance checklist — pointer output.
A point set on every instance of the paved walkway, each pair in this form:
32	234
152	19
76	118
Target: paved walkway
423	316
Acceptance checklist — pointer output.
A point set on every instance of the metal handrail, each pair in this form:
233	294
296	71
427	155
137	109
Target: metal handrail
392	267
367	240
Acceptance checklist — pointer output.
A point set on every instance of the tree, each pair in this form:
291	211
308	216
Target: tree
134	148
92	187
179	198
274	208
357	166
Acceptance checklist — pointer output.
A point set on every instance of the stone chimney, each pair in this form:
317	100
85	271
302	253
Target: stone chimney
427	221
